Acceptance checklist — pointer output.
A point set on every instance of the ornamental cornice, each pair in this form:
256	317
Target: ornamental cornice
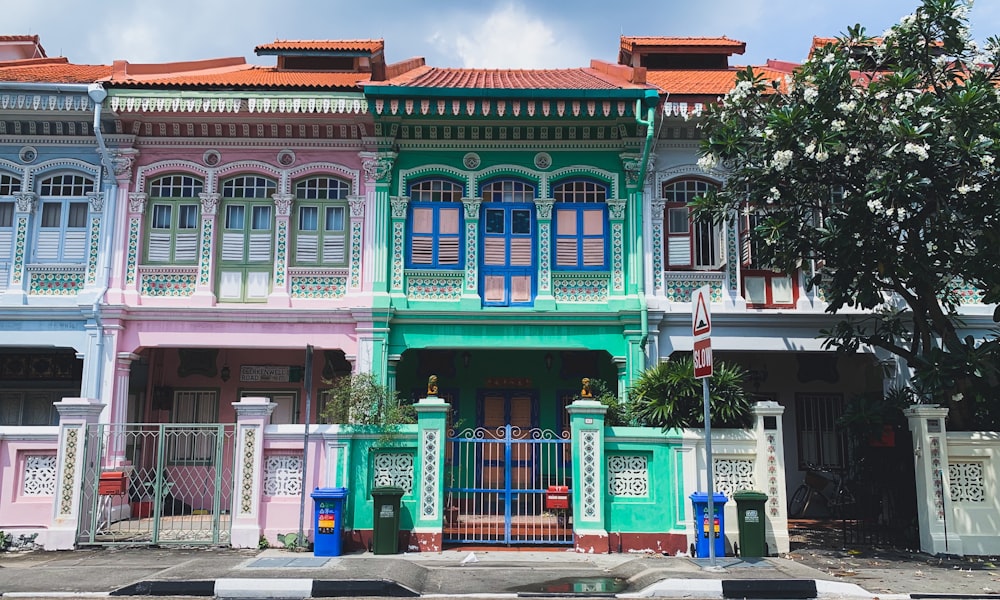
616	208
378	167
282	204
543	207
209	203
472	207
96	200
357	204
25	202
398	205
170	101
137	202
122	160
13	100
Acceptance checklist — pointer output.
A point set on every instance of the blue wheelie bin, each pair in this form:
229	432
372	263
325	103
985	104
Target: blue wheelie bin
716	530
328	521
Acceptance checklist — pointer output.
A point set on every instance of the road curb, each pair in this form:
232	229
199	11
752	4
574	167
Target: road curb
289	588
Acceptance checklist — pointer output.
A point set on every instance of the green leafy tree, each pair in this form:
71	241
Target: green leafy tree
668	396
359	399
873	169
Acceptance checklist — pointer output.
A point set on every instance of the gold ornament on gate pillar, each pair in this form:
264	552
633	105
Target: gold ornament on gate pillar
432	386
585	392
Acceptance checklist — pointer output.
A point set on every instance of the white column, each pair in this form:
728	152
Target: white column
769	472
279	295
930	465
251	416
74	416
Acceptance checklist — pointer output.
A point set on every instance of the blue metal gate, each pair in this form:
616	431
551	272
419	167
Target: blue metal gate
508	486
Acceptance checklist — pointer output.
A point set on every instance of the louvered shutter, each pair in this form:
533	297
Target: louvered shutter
746	251
333	249
422	241
449	223
422	251
678	237
593	242
47	247
567	242
6	246
306	247
495	251
520	252
186	247
74	246
159	247
232	247
260	248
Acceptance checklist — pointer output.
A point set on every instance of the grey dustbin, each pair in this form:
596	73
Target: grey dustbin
751	517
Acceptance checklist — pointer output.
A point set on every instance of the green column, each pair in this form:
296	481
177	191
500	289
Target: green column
621	247
398	206
378	170
586	419
470	239
432	417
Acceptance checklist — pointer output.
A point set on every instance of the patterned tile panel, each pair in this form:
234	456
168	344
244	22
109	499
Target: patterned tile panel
171	285
434	288
318	286
580	289
54	283
132	259
680	288
95	249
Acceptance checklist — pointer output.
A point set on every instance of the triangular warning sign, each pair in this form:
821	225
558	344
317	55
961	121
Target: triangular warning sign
701	324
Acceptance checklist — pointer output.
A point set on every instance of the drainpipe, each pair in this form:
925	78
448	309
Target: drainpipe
647	147
97	95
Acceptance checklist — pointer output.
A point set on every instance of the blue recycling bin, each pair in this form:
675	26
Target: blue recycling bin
705	530
328	520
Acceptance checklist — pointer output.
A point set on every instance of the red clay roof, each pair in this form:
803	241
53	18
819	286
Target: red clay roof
704	82
508	79
682	44
252	77
52	70
324	45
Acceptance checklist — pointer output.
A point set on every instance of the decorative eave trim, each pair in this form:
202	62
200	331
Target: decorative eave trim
167	101
523	105
45	102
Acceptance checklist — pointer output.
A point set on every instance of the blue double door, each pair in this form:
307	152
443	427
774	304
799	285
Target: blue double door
508	254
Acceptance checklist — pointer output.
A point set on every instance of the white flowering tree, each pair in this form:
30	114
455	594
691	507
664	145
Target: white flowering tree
873	170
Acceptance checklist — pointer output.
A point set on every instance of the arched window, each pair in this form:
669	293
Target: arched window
435	224
508	243
320	221
247	256
581	230
62	222
690	244
9	185
174	214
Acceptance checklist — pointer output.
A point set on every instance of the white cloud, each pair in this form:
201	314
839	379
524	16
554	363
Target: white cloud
509	37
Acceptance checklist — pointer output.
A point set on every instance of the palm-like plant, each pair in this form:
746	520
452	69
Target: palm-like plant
669	396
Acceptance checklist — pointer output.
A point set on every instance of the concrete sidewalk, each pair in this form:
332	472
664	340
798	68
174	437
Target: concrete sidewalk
272	573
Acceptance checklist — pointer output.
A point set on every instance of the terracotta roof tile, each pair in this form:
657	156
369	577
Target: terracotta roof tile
324	45
252	77
630	43
703	82
58	71
508	79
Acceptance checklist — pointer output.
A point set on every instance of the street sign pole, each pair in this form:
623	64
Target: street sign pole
701	331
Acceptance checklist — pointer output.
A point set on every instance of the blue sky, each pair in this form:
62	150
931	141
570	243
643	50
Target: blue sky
471	33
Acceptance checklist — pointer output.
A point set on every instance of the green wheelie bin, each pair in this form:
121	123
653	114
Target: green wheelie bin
751	517
385	537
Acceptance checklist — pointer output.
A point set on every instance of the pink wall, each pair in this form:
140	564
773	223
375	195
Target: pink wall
17	510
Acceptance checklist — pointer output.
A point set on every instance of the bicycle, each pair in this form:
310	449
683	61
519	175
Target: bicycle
817	480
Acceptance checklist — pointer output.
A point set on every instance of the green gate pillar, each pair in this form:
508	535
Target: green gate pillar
432	418
586	419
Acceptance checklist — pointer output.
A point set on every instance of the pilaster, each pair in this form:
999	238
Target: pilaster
279	295
252	414
586	419
930	464
204	289
657	208
543	216
75	414
133	246
355	243
398	206
24	207
432	417
769	472
470	290
620	248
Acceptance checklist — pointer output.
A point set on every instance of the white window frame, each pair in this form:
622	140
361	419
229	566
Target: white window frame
700	245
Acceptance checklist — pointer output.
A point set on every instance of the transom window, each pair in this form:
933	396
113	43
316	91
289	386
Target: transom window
508	190
580	225
174	214
690	244
435	224
9	185
248	187
320	221
62	219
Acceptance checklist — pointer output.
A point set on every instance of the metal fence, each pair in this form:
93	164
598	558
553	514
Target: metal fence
508	486
157	484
